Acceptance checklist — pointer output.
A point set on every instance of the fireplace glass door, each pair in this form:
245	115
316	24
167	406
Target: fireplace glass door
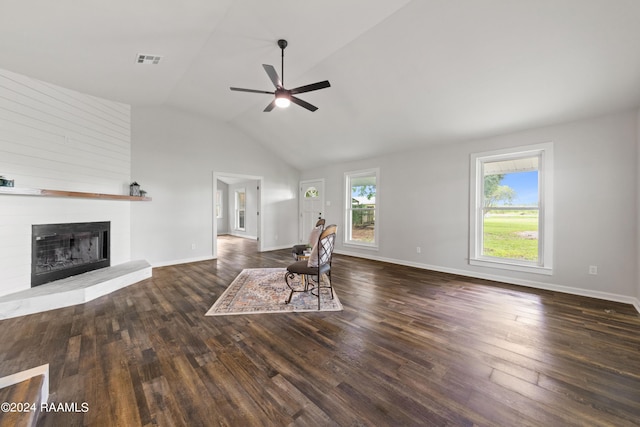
63	250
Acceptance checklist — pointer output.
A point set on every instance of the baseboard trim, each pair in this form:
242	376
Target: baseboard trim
505	279
277	248
181	261
244	236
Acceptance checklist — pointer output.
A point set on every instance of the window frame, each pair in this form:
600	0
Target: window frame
348	177
237	193
544	265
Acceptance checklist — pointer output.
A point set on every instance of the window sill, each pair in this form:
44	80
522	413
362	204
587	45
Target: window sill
505	265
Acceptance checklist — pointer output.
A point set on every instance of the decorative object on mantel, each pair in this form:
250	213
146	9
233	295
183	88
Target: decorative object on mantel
4	182
134	189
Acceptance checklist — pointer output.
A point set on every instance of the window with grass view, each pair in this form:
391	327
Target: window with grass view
361	207
509	222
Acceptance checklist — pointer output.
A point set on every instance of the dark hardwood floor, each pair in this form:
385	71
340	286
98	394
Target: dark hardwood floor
411	348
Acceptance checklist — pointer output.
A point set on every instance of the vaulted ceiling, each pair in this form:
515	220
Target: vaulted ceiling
403	73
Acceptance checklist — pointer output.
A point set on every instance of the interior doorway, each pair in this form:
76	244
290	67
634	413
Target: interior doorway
237	208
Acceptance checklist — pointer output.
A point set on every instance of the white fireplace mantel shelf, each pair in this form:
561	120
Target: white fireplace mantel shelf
16	191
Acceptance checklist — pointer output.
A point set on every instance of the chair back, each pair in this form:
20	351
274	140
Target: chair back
326	243
320	222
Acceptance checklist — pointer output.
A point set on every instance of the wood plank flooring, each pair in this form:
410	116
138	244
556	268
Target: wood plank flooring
411	348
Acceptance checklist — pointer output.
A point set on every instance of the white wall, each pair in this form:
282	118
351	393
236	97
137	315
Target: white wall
174	157
55	138
424	201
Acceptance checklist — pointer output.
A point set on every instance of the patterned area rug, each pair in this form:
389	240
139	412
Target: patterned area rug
263	290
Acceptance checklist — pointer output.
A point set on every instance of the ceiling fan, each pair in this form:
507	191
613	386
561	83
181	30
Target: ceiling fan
284	97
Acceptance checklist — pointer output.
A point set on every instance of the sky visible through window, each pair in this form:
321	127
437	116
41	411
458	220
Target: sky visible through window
364	194
525	184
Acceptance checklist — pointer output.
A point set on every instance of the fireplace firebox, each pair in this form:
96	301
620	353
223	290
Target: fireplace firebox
64	250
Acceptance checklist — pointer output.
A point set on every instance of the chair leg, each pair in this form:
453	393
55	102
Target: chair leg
288	276
307	285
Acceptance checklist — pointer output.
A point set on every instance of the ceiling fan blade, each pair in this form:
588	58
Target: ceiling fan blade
303	104
273	75
270	106
239	89
309	88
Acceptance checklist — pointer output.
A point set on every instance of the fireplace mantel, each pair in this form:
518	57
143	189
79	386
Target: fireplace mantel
16	191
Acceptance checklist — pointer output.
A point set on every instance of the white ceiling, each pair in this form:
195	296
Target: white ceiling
403	73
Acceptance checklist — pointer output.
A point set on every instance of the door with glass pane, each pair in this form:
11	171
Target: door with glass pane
311	206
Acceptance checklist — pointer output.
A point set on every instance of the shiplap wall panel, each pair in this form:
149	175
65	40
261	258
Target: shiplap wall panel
78	111
21	125
55	138
60	125
27	139
58	167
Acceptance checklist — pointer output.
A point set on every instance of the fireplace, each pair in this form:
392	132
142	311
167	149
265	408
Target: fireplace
64	250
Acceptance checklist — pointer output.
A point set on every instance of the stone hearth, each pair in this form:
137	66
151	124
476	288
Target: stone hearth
73	290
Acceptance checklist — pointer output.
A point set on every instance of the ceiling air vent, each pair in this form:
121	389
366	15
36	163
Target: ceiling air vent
148	59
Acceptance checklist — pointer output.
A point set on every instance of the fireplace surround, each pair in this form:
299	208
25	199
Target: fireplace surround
63	250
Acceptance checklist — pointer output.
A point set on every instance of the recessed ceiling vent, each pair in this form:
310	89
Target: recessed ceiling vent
148	59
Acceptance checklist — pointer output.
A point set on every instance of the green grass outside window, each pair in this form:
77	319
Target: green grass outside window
512	235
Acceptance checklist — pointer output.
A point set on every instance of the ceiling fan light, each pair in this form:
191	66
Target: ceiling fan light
282	101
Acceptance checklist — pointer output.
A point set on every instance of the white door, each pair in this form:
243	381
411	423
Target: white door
311	206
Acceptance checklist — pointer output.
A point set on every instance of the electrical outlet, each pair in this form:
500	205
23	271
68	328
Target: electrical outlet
193	246
593	270
418	250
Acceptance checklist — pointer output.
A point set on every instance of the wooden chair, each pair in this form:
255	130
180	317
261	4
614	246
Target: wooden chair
298	250
318	264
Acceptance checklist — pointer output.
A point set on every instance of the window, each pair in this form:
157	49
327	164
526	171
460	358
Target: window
240	208
362	198
311	193
511	209
219	204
